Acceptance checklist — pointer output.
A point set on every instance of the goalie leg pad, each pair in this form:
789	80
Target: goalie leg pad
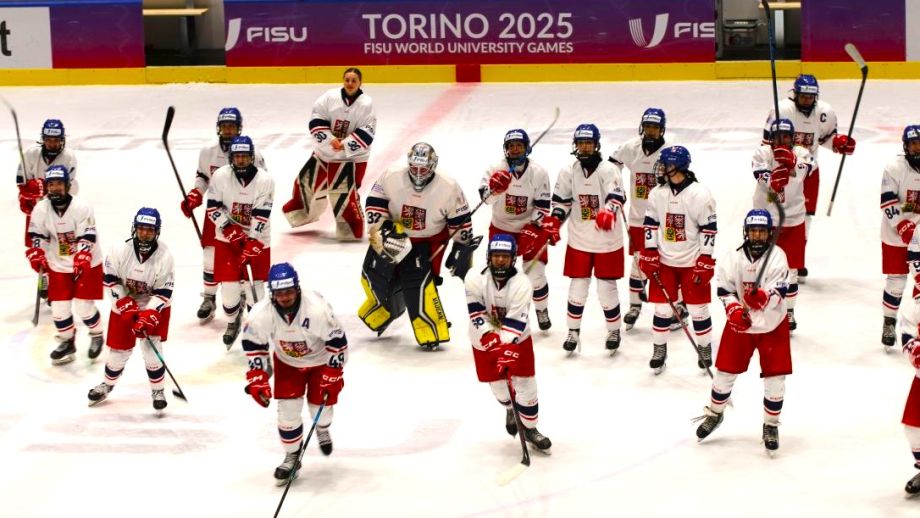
429	322
309	199
343	194
384	302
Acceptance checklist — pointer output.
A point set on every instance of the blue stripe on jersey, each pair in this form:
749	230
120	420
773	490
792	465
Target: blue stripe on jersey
214	204
650	222
559	199
458	220
338	342
20	179
616	197
889	197
261	213
203	176
541	204
913	256
615	161
782	290
483	192
318	123
110	279
473	307
374	201
35	235
722	292
249	345
163	292
709	227
515	324
365	137
761	174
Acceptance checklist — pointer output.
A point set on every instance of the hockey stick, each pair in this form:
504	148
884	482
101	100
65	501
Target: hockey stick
170	113
519	468
252	285
536	258
303	448
38	297
864	70
176	391
683	325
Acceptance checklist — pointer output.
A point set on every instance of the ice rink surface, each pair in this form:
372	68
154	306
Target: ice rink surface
415	434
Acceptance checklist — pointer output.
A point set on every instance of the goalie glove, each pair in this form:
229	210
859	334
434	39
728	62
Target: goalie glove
460	259
390	241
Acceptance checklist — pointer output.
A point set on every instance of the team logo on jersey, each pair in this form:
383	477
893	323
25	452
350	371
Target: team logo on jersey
911	201
413	218
294	349
66	243
675	227
340	128
589	204
515	205
241	213
804	139
643	184
136	288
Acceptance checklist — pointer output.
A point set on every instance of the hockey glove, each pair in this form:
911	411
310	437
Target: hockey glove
499	182
551	225
258	386
147	322
906	230
37	259
192	200
605	219
530	240
506	355
843	144
649	261
704	270
490	340
251	250
233	233
460	259
331	382
738	318
779	178
912	350
390	241
126	306
756	299
82	261
784	157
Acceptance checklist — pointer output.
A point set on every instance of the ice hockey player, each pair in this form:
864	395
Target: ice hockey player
210	159
63	233
498	301
240	199
308	354
343	124
412	212
781	170
755	319
911	346
680	233
139	276
518	190
815	122
591	192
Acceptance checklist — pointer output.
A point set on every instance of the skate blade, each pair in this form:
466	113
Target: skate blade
612	352
512	473
659	370
629	327
63	361
94	403
205	320
160	413
281	482
771	453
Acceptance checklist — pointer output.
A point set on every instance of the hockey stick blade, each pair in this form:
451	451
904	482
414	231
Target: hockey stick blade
170	113
551	126
864	70
512	473
857	57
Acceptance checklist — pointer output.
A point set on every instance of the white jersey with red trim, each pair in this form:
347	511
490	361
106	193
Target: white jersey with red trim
811	131
211	159
250	206
149	283
61	236
792	196
35	166
641	176
527	198
736	274
504	310
682	224
352	121
580	196
900	198
310	337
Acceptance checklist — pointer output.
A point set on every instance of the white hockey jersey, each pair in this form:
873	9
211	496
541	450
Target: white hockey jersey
149	283
502	310
580	197
527	198
813	131
641	176
908	320
736	273
312	337
354	123
211	159
682	225
793	195
900	198
35	166
250	206
61	236
423	214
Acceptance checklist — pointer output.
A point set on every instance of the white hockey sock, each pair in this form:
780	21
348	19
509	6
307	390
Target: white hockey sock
230	295
913	438
722	384
537	276
63	319
156	371
774	389
609	298
290	423
702	323
578	294
891	297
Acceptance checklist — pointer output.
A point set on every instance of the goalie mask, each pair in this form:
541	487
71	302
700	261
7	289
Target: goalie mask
145	230
758	230
501	253
423	161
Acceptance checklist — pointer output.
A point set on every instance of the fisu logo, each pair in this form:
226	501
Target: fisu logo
638	35
276	34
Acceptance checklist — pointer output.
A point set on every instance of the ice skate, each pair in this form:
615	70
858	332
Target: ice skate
888	333
711	421
510	422
613	341
632	315
432	346
540	441
913	485
290	464
64	353
325	440
543	319
684	313
206	309
771	438
571	341
705	359
790	314
159	401
803	275
233	330
98	394
659	356
95	346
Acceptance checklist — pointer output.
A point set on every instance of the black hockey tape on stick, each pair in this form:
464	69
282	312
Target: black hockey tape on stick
864	70
170	113
176	391
303	447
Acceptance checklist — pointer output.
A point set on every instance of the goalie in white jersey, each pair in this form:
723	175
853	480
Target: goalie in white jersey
413	212
210	159
680	234
816	125
240	198
308	352
781	170
518	190
900	206
589	195
498	301
755	319
63	233
343	124
139	275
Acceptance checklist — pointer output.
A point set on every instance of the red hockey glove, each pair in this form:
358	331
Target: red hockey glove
756	299
26	204
704	270
126	306
37	259
551	225
29	194
82	261
779	178
912	350
258	386
906	230
331	381
738	318
649	261
499	182
234	233
531	240
490	340
784	157
147	322
843	144
605	219
506	355
251	250
192	200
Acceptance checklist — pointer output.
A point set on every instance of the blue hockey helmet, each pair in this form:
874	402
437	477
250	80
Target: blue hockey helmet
911	133
501	244
53	128
57	172
677	156
757	218
781	127
586	132
243	145
230	114
145	217
517	135
283	276
806	84
653	116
